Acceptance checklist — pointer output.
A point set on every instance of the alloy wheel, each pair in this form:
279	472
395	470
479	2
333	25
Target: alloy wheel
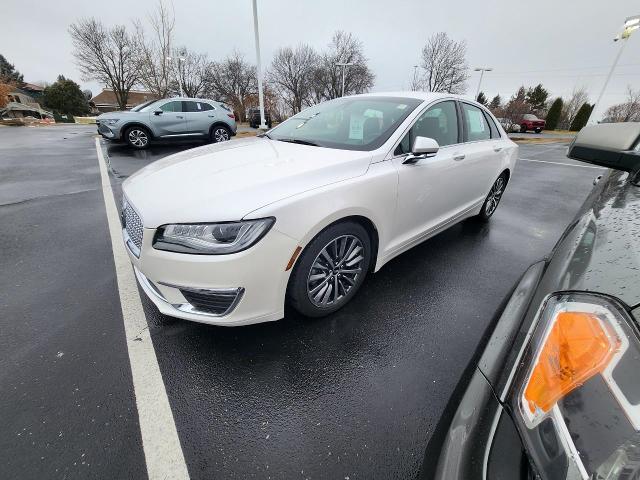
335	271
221	135
138	138
494	196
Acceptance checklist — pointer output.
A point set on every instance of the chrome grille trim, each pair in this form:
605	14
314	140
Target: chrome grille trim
132	230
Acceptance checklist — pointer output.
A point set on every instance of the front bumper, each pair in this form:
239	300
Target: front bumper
111	132
257	274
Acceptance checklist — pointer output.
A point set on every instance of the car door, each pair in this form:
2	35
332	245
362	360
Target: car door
481	149
169	119
429	191
200	116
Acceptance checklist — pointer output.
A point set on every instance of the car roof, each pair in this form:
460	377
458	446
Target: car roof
426	96
192	99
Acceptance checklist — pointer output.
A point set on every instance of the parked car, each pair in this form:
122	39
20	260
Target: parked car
508	125
253	115
227	234
555	393
531	122
170	118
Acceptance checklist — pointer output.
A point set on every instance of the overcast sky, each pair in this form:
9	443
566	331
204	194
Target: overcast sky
563	44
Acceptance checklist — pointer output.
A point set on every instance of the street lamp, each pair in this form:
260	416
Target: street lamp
344	67
481	70
263	125
179	60
414	86
631	24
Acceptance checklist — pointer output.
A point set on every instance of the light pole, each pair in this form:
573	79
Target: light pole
414	86
631	24
263	125
481	70
178	59
344	67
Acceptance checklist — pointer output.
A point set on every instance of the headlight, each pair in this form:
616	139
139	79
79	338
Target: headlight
111	121
212	238
576	397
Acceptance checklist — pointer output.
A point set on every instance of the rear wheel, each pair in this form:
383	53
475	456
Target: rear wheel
220	133
137	137
330	270
493	198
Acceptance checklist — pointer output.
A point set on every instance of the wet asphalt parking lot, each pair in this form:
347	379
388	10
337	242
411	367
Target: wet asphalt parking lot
357	395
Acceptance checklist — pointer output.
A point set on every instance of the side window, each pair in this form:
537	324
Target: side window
475	123
495	133
439	122
206	107
191	106
171	107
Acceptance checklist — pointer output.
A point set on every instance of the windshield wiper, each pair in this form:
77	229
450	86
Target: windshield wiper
264	135
298	141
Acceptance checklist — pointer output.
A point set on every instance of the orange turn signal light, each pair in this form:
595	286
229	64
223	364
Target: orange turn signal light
578	347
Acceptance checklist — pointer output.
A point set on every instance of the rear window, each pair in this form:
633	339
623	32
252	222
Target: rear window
191	106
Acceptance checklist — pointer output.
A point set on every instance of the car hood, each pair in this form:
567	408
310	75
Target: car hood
600	251
226	181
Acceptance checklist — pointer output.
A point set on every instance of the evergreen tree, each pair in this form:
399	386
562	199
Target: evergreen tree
537	97
8	73
65	96
482	98
582	117
496	102
553	116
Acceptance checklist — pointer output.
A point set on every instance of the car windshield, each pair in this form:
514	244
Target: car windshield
352	123
144	107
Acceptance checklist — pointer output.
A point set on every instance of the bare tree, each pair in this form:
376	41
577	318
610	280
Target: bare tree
155	68
358	78
291	75
191	72
417	80
233	81
628	111
570	108
515	108
106	55
445	64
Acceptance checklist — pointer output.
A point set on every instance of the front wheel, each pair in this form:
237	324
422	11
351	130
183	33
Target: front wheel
538	130
330	270
137	137
220	133
493	198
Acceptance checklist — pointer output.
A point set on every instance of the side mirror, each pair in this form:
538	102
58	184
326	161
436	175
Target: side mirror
611	145
423	147
158	112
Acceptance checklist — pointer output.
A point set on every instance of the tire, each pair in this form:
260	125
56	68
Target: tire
313	297
137	137
538	130
494	196
219	133
523	129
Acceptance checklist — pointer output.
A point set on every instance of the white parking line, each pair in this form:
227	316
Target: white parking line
561	163
162	450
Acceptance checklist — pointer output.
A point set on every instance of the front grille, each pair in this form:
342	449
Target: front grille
216	302
132	224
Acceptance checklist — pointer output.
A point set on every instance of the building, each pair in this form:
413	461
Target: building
106	101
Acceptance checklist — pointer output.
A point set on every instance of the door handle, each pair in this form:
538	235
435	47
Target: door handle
211	116
497	149
179	116
460	156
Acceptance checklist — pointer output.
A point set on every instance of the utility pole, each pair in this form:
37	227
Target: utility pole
263	125
481	70
631	24
344	67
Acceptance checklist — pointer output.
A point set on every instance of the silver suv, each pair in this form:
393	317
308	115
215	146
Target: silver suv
172	118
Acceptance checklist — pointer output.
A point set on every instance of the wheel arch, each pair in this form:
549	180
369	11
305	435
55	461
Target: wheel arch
220	124
127	126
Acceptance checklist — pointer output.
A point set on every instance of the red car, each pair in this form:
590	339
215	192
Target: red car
531	122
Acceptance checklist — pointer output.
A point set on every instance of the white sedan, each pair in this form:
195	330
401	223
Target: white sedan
226	234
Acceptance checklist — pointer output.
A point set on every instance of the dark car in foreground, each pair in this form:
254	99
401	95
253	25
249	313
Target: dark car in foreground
556	391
